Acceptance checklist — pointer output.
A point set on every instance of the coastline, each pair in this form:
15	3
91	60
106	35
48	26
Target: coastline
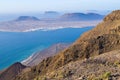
28	59
37	57
29	42
43	29
47	26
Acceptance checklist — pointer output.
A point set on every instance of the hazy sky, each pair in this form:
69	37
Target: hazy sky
19	6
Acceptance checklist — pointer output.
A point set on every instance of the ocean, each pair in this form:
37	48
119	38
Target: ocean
17	46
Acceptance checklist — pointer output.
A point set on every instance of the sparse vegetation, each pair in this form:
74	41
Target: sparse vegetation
99	43
106	75
117	63
91	44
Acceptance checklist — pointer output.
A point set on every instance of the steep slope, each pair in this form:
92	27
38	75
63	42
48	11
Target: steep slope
12	71
114	16
104	38
50	51
102	67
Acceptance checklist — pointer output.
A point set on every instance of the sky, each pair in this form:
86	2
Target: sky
24	6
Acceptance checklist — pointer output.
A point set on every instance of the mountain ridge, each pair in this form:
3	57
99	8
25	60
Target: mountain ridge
89	45
104	38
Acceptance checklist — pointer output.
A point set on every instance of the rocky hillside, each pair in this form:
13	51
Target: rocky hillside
12	71
114	16
103	67
104	38
94	56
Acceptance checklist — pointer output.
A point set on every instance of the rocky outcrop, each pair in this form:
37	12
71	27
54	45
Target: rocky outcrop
101	67
115	15
12	71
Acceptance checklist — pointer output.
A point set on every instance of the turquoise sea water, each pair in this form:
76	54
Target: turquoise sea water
17	46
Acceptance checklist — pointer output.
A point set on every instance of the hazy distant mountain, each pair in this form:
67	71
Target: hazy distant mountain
81	16
51	14
24	18
31	23
102	12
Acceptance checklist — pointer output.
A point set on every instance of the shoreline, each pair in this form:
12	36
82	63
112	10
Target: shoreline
43	29
51	50
28	59
35	26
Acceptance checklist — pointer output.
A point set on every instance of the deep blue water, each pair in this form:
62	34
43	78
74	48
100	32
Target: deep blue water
17	46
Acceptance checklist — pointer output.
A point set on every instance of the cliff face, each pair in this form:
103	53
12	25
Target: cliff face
103	38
